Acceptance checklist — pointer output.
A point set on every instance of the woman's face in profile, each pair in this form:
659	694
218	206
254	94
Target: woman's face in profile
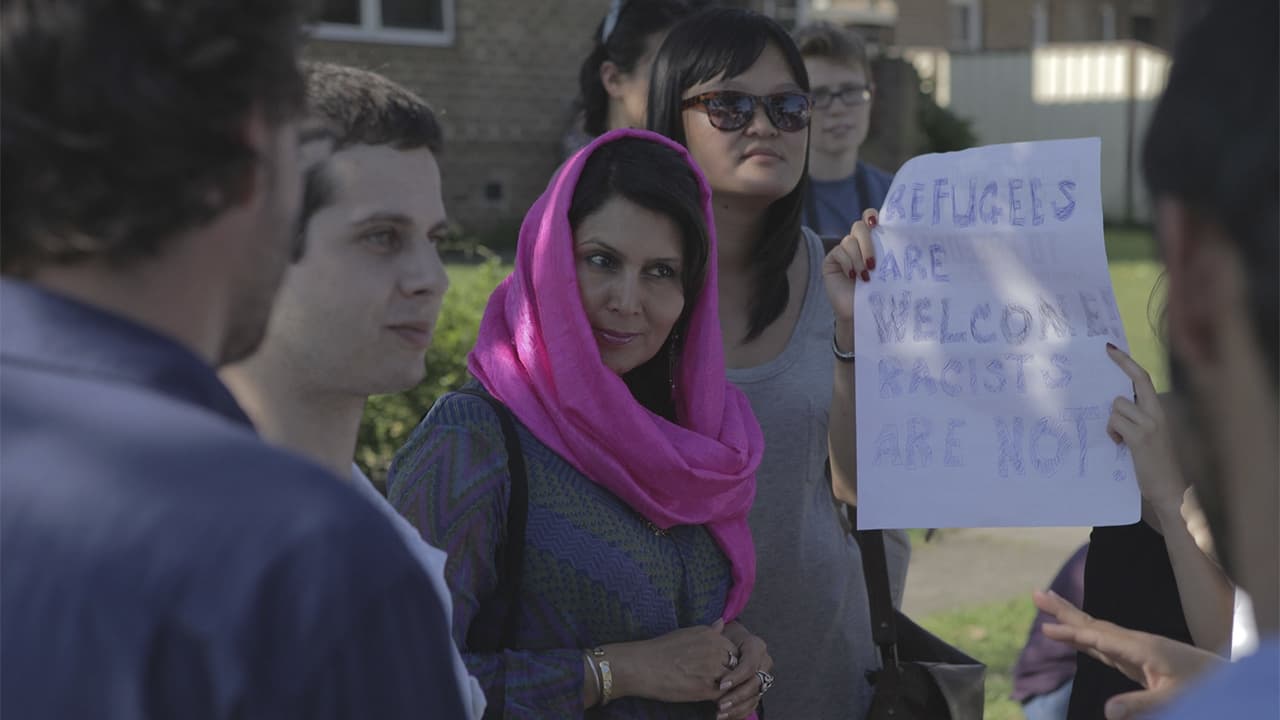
629	261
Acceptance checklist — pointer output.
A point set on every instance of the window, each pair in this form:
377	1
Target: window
966	24
1040	23
1108	22
409	22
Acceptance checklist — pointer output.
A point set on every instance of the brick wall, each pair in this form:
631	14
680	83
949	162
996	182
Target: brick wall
1006	24
503	92
922	23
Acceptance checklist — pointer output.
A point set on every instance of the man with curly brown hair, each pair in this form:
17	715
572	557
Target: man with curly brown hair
159	559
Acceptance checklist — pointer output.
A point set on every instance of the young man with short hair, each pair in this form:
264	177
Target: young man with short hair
355	316
841	186
159	559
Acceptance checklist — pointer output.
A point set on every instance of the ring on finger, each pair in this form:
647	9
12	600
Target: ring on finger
766	681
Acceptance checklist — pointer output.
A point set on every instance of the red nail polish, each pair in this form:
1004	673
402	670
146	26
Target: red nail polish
871	221
871	263
866	276
853	274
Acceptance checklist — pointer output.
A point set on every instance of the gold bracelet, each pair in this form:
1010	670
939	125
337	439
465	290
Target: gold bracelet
606	677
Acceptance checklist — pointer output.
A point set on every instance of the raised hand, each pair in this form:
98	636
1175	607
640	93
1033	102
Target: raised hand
1140	424
854	258
1162	666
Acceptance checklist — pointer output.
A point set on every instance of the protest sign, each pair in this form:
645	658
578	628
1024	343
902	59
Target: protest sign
983	383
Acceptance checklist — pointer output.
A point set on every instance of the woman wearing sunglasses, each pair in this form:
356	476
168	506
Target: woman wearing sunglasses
732	87
638	460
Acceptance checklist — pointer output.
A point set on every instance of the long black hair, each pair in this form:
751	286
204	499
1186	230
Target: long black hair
657	178
620	38
728	41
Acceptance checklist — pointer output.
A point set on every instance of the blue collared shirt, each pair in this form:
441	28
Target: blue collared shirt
1246	688
160	561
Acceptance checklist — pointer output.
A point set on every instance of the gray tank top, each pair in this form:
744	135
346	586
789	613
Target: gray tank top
810	600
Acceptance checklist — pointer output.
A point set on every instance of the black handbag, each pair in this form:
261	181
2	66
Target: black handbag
922	677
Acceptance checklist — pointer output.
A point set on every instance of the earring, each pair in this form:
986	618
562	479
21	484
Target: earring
673	356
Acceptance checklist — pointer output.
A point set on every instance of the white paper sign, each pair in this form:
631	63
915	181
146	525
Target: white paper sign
983	383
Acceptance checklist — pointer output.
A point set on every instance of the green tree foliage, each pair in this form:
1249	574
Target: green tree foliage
388	419
941	129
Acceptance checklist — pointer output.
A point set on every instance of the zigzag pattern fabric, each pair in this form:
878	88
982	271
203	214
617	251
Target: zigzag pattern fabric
595	570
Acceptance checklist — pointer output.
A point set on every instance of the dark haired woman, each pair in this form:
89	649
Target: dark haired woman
613	82
731	86
640	458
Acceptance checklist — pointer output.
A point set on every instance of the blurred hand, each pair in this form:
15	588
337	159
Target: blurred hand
1162	666
741	683
1141	425
854	257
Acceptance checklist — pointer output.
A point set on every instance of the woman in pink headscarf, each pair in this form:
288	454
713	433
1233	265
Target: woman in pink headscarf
638	457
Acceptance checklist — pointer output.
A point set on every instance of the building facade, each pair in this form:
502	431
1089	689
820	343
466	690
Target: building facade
502	75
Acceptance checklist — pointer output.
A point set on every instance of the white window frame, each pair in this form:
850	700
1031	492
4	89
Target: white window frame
1040	22
1108	12
973	33
370	28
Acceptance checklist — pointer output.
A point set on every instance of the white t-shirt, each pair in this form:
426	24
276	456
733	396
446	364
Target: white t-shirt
432	560
1244	631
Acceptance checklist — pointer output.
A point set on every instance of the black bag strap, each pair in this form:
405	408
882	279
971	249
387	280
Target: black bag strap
511	554
875	570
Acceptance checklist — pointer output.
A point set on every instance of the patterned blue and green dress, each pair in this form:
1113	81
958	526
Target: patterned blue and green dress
595	571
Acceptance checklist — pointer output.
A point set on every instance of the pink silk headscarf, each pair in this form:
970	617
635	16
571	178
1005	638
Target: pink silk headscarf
537	354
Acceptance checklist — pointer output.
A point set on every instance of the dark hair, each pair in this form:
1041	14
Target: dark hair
122	121
365	108
656	178
832	42
360	108
632	24
1213	145
729	41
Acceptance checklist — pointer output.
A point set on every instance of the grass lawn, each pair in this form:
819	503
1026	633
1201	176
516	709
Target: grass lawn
993	634
1134	274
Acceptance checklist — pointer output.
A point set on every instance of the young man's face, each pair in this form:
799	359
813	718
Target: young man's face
841	110
357	314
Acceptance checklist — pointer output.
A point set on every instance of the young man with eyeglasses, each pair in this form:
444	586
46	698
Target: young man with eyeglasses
840	186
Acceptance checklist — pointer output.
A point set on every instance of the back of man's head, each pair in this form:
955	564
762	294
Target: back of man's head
1212	146
123	122
365	108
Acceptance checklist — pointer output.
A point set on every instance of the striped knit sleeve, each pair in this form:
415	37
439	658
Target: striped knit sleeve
450	481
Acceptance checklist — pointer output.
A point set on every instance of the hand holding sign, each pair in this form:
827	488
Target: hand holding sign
983	386
853	258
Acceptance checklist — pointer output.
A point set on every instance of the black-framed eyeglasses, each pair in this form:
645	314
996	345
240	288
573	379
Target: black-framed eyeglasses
731	110
851	95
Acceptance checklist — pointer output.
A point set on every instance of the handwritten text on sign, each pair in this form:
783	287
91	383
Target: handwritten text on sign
983	386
